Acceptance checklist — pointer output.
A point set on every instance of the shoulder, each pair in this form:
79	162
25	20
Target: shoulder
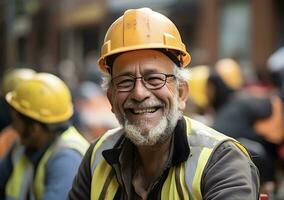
231	151
232	172
202	135
65	157
108	140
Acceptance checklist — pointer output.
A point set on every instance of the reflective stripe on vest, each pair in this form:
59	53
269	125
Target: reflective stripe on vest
20	181
105	186
17	185
183	181
202	140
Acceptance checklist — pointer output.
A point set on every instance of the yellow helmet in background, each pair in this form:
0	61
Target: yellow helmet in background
142	29
44	98
14	77
198	85
230	72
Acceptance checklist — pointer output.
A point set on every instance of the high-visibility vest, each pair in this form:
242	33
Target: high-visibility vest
21	180
183	180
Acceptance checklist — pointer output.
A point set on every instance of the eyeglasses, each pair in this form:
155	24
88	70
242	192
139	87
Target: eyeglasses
154	81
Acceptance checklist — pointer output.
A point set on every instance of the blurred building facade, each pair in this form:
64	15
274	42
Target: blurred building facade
45	33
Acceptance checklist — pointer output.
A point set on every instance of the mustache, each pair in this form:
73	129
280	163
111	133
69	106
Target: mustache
130	104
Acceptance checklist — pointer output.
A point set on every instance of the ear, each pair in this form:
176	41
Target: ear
36	127
183	95
35	130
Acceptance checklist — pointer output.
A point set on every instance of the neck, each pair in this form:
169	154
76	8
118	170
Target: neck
152	159
46	138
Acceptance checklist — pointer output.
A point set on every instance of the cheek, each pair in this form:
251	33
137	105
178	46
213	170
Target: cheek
16	122
17	126
17	129
117	102
168	96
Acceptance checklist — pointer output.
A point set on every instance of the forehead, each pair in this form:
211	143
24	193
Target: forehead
142	61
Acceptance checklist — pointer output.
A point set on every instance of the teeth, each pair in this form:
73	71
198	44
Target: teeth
141	111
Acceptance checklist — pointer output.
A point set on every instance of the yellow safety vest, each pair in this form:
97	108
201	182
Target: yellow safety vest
21	180
183	181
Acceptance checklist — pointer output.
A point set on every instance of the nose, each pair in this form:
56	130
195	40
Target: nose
139	92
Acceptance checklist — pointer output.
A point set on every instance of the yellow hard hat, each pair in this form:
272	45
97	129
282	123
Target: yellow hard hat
44	98
142	29
230	72
198	85
14	77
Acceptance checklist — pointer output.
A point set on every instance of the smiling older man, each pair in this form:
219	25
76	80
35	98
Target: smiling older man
158	153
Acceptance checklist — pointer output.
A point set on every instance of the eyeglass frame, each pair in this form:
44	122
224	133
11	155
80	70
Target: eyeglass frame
144	82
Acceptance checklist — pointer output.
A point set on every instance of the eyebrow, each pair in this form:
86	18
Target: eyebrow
151	71
147	71
123	74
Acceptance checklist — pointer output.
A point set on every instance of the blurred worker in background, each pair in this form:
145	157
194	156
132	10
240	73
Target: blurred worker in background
198	105
42	164
223	82
257	122
158	153
212	87
11	79
255	119
94	110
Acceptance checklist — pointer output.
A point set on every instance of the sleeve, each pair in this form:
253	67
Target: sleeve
81	188
60	171
5	171
230	175
258	108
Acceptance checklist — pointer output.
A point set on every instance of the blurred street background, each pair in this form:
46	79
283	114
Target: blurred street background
64	36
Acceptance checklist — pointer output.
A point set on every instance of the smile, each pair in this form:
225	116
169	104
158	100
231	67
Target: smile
143	111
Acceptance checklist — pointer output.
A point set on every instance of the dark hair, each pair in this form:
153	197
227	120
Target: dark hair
280	94
222	91
56	128
277	79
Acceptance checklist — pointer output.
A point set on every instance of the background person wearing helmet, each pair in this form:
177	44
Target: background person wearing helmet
224	81
257	122
212	87
253	120
158	153
42	164
11	79
197	105
94	111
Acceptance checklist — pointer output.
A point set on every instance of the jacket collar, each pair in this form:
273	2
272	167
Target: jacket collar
179	146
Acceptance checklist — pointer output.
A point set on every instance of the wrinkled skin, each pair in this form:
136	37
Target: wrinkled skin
148	116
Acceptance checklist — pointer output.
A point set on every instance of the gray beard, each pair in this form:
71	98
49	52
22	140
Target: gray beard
156	135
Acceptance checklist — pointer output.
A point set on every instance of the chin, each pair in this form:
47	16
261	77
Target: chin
146	140
146	135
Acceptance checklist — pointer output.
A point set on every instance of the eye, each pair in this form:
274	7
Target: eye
154	79
123	81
